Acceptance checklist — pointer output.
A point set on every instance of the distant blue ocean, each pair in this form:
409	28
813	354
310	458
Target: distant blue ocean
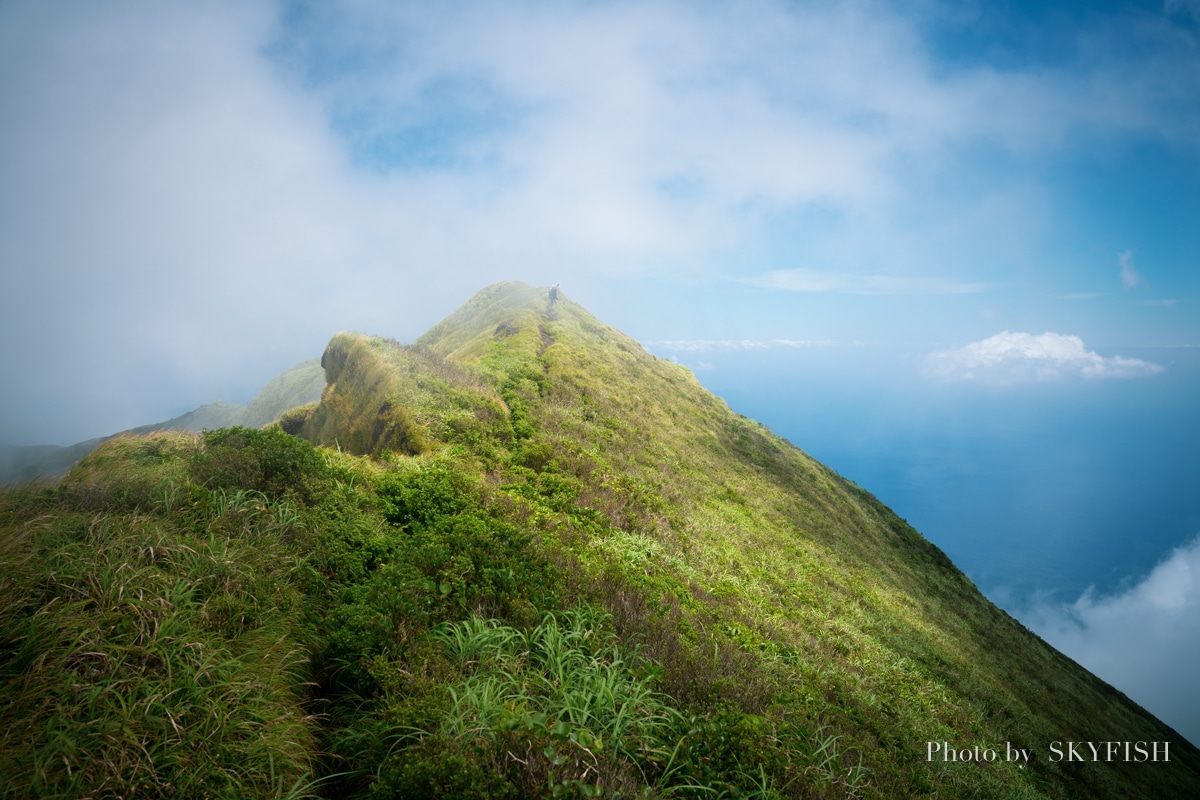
1034	490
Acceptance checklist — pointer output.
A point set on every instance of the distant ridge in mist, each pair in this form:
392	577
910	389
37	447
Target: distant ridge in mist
296	386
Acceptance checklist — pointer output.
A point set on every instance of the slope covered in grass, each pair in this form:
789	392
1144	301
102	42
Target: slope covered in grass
526	558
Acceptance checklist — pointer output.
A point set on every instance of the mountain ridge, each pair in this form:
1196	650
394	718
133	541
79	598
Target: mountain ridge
513	332
528	558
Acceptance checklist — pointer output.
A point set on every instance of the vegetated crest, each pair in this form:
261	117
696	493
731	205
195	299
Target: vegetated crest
525	558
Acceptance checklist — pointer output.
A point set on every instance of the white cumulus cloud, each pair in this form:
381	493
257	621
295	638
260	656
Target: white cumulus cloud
1021	357
168	165
1145	640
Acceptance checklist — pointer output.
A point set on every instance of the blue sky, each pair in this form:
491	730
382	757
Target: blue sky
986	213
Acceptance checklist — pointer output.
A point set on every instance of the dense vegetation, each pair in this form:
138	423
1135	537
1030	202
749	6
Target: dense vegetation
527	559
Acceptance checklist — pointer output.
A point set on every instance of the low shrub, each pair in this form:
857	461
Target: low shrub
268	460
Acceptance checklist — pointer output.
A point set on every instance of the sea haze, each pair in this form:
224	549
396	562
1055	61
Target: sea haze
1036	490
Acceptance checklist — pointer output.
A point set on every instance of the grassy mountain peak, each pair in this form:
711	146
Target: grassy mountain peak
520	316
520	557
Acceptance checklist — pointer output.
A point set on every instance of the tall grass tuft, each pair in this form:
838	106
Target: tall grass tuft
557	708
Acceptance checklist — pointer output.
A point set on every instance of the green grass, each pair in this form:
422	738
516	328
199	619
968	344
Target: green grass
145	656
578	712
528	559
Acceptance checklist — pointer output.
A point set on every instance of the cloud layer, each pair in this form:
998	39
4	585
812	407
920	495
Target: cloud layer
1145	640
1023	357
197	195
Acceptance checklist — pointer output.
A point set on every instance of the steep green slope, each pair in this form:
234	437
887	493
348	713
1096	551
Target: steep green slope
527	559
830	605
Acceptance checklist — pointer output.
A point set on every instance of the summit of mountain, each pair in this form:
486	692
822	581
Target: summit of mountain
736	531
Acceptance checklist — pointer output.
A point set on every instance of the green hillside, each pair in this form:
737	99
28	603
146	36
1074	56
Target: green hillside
526	558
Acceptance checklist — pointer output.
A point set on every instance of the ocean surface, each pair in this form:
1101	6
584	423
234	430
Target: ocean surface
1037	491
